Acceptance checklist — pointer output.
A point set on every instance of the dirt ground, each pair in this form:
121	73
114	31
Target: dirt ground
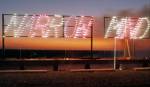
124	78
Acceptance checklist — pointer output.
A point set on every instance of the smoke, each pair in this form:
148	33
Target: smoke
144	11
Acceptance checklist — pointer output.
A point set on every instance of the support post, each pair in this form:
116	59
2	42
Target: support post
115	42
92	41
3	37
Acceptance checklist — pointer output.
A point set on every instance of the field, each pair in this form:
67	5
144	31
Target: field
124	78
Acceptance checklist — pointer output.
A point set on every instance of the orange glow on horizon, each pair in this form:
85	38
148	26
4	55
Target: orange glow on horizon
69	44
60	44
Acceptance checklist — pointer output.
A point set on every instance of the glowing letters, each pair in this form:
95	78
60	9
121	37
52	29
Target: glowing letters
128	27
49	26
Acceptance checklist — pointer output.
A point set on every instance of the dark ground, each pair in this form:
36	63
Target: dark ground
125	78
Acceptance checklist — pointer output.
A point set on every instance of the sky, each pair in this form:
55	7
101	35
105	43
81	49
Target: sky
98	8
70	7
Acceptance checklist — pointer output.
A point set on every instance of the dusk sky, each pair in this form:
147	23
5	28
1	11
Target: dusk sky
70	7
98	8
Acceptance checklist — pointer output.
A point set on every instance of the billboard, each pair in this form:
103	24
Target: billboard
128	27
56	26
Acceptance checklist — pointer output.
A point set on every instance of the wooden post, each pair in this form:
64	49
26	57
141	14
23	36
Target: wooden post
3	36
